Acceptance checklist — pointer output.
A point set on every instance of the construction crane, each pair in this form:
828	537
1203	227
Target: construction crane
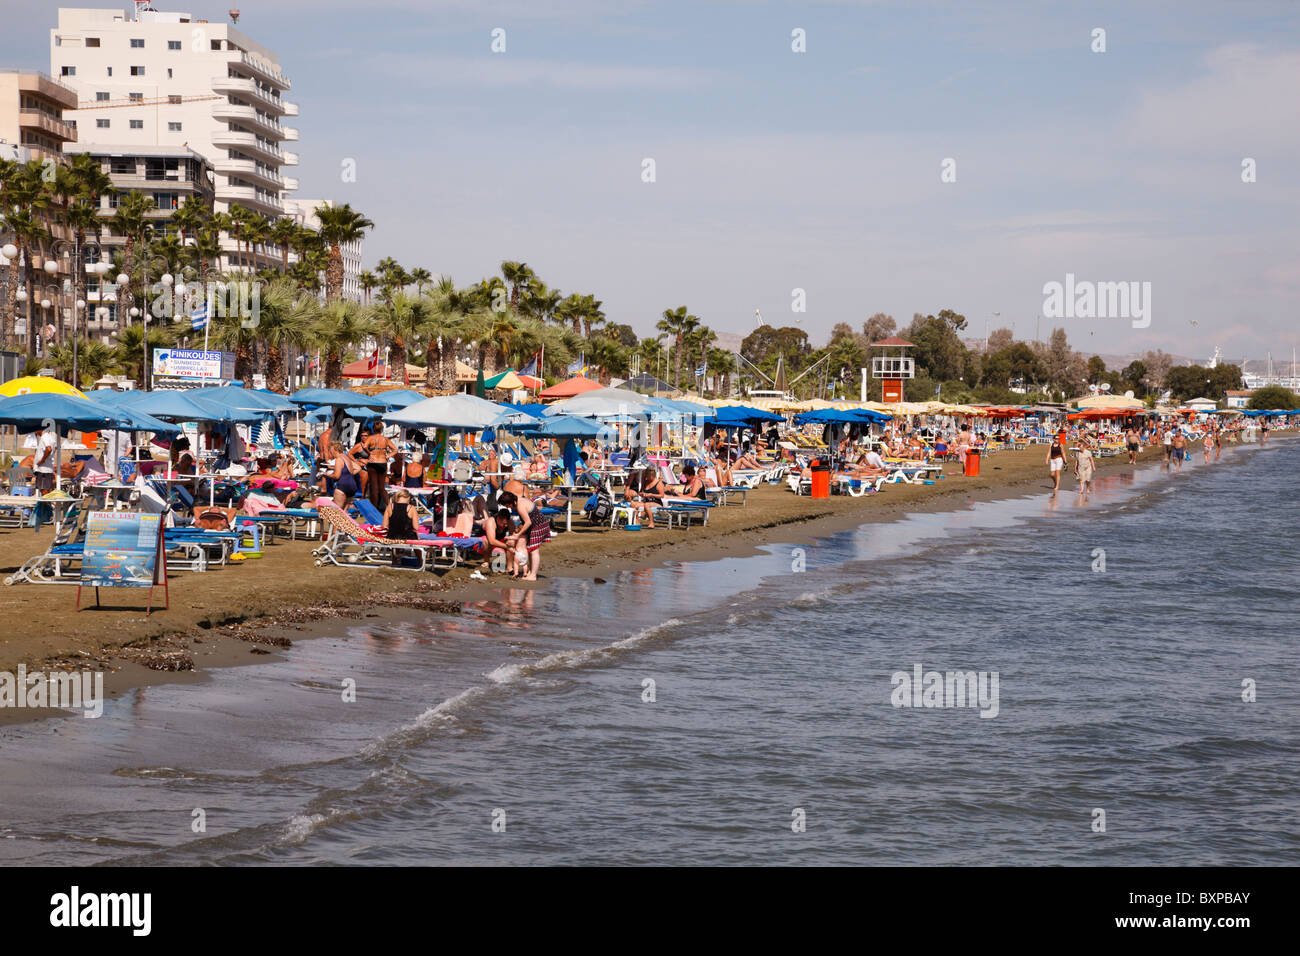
151	101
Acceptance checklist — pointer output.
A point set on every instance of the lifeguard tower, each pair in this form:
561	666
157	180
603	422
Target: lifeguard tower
892	367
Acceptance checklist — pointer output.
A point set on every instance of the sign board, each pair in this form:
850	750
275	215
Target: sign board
194	364
891	390
124	549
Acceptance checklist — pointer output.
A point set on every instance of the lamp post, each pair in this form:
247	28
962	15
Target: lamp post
79	249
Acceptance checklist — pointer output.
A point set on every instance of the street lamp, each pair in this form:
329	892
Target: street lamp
77	250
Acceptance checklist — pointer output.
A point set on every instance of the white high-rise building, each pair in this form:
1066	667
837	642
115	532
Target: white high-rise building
150	78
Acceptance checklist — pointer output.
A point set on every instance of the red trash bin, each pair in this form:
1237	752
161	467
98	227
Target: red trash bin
821	479
972	463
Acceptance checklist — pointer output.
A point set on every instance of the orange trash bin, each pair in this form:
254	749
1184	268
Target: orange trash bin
821	479
972	463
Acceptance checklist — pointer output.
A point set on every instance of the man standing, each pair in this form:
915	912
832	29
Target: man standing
43	462
1134	444
1169	445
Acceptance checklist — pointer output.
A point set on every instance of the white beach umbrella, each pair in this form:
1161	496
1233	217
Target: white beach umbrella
457	412
604	402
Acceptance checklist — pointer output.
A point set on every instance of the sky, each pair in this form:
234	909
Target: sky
821	170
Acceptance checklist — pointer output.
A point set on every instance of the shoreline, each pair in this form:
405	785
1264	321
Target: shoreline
208	628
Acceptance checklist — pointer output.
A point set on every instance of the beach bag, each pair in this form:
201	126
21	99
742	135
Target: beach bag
600	513
1187	456
213	519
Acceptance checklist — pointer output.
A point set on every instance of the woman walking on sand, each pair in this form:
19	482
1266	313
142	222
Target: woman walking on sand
1056	462
1083	467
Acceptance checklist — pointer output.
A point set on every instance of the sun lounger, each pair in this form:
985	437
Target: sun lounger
350	545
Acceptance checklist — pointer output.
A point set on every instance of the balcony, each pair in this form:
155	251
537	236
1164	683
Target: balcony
290	109
248	169
290	134
249	116
243	86
288	158
59	129
261	68
250	143
250	198
290	184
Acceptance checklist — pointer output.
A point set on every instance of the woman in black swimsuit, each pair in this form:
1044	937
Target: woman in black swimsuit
346	485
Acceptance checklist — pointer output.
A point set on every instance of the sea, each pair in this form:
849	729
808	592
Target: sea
1129	663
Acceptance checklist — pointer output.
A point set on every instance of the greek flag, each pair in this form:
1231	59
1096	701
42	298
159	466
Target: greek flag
700	372
199	318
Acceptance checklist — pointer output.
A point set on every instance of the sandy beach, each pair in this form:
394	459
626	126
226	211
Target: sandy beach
239	614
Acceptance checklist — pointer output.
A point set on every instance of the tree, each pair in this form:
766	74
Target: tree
999	339
399	319
518	276
339	225
1133	378
285	319
879	326
765	344
1014	365
339	326
1158	363
1096	369
1273	397
938	349
624	335
677	323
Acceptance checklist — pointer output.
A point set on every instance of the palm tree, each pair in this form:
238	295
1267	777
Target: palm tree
132	346
236	225
339	224
340	325
132	222
92	357
421	277
517	276
721	365
283	232
446	323
368	281
400	318
674	324
286	319
541	302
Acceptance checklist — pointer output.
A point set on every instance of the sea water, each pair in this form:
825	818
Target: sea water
748	710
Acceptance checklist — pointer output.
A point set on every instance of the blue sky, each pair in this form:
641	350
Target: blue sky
819	170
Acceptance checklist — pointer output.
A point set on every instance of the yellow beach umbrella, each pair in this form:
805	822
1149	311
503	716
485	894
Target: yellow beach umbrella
37	385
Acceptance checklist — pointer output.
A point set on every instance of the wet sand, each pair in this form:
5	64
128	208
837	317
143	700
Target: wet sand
241	613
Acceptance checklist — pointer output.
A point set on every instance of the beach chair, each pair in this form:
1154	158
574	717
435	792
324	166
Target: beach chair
17	517
350	545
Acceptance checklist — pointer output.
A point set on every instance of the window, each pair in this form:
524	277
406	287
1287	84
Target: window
169	72
137	124
173	127
110	71
121	166
216	44
137	44
173	44
92	41
101	124
137	71
68	71
136	97
101	96
166	201
174	100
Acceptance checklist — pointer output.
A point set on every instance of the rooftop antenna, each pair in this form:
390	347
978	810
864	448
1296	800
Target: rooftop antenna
142	6
234	15
758	318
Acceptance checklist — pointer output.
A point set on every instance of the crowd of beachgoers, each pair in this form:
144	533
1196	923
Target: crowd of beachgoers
427	485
